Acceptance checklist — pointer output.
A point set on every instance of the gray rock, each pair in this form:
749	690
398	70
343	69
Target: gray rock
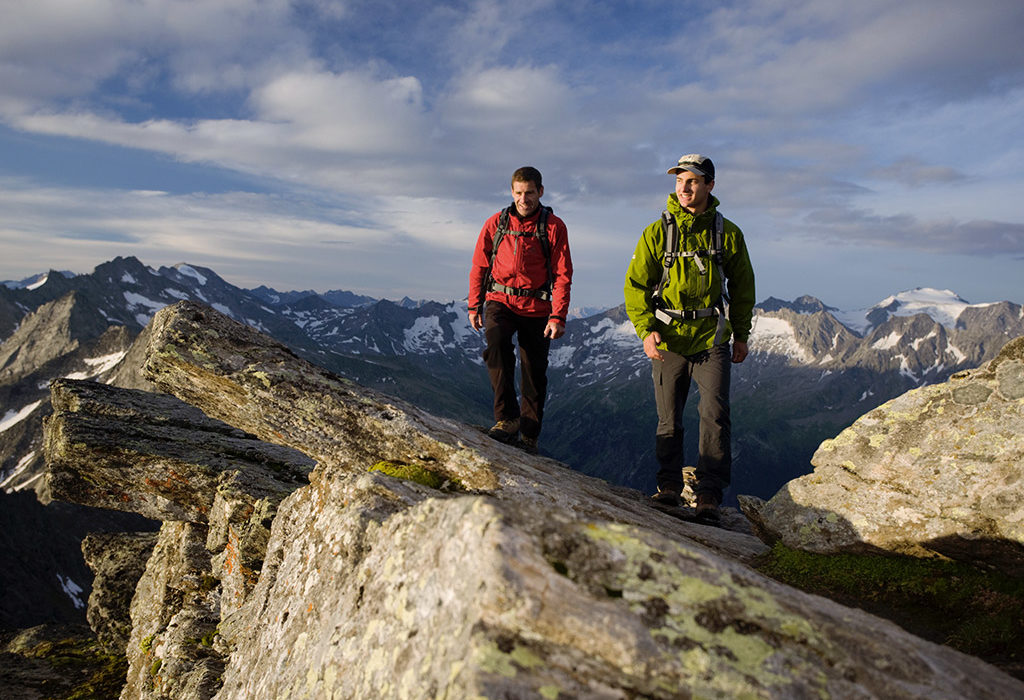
510	576
152	454
174	616
936	471
117	560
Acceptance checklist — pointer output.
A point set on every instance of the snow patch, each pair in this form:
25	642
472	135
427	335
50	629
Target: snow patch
38	283
177	294
190	271
917	343
775	336
957	353
12	418
424	333
98	365
128	279
888	342
223	309
72	590
20	467
135	300
561	356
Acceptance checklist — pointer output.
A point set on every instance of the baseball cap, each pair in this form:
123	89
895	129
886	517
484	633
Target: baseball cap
696	164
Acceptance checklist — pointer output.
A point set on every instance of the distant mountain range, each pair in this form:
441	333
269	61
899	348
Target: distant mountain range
812	371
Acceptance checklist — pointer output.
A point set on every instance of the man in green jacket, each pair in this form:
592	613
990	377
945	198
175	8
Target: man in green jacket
685	310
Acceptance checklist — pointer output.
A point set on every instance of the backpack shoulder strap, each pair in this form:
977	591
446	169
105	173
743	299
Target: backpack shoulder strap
499	232
718	243
545	244
718	238
671	231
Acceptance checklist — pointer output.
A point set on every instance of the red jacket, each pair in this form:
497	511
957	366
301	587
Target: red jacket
520	263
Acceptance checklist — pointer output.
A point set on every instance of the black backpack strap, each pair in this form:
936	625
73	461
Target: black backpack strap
542	235
671	231
718	254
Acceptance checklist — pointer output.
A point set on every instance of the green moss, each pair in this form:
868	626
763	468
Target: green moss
106	682
146	644
89	671
975	611
207	640
155	668
418	473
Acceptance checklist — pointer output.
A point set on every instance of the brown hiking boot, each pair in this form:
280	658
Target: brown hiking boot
505	430
666	497
529	444
707	509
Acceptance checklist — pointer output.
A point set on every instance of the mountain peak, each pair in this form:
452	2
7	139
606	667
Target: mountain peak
942	305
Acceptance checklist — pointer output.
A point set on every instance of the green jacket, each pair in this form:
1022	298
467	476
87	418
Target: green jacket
687	288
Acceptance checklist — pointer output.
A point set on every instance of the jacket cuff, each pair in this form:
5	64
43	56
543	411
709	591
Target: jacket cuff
560	319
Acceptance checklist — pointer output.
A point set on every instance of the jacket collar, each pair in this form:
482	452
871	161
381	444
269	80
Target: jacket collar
531	217
676	209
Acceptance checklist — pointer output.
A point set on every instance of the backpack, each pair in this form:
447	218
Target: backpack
721	306
544	292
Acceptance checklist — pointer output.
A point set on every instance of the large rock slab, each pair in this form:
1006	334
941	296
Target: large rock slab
250	381
155	455
375	588
934	472
510	576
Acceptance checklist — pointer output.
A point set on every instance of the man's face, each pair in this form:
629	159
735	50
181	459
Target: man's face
693	192
526	196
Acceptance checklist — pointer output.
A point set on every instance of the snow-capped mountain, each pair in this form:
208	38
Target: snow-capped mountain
427	352
34	281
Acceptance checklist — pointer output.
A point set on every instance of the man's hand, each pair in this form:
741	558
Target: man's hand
739	351
651	346
554	329
476	320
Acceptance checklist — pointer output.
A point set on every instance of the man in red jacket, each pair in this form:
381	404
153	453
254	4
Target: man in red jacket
520	285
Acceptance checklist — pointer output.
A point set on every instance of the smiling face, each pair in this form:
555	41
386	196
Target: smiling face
693	192
526	196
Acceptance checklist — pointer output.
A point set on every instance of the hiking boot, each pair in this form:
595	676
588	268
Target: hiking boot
666	497
529	444
505	430
707	509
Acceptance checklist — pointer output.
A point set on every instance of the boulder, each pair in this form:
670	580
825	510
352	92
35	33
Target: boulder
934	472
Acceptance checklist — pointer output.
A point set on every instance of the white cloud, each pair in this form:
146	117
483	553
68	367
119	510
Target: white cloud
389	130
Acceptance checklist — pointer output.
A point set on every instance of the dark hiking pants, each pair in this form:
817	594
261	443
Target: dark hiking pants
710	370
500	324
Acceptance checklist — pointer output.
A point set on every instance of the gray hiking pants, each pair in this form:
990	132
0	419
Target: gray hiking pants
710	370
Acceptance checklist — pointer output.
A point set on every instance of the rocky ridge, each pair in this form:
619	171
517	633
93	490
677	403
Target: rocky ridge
511	576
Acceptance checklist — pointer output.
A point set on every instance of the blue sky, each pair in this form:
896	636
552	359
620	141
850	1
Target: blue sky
864	148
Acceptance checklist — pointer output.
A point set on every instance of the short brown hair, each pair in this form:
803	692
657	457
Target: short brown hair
527	173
